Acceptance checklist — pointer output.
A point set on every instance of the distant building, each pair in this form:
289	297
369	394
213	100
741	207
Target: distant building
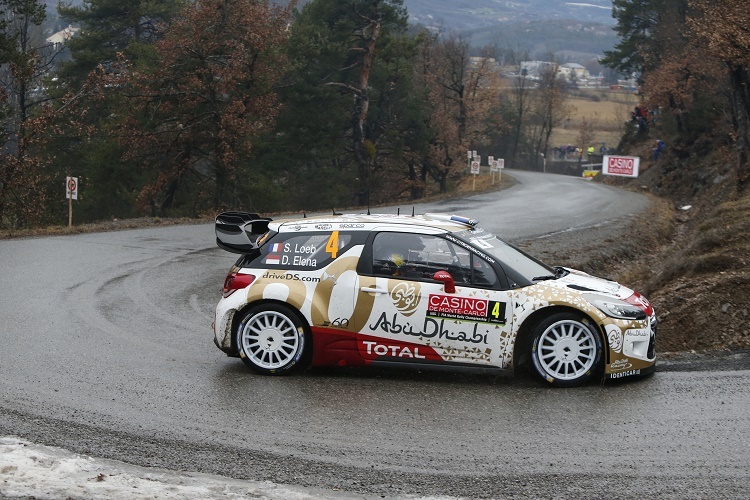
535	69
568	69
487	62
59	38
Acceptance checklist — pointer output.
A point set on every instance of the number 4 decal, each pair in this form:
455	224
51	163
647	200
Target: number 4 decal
332	246
496	312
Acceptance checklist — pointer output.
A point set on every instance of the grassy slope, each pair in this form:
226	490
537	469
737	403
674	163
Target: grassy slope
608	110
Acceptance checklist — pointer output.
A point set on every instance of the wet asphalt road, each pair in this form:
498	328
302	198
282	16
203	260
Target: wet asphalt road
107	350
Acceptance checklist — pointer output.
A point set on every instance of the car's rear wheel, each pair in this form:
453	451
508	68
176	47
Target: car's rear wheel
271	339
566	350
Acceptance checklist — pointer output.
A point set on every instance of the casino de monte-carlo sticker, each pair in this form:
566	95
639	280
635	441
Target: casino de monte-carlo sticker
622	166
465	308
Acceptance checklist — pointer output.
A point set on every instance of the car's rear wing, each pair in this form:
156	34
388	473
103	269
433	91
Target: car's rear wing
238	232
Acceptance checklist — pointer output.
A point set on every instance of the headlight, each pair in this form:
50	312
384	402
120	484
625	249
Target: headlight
616	308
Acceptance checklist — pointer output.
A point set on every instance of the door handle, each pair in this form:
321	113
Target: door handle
373	290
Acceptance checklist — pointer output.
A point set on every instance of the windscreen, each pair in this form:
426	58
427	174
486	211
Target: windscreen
509	256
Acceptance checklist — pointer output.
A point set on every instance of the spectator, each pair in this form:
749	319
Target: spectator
658	148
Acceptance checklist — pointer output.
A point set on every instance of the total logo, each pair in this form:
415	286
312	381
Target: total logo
396	351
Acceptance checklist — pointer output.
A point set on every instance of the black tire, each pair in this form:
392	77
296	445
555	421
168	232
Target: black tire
272	340
566	350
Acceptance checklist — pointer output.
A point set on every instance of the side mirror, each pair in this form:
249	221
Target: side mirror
447	280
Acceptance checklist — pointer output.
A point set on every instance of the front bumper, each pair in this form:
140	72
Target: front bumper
632	349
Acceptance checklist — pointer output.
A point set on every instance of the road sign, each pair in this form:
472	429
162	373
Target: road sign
475	167
71	188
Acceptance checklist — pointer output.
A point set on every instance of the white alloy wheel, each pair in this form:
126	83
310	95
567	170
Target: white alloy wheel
270	339
566	351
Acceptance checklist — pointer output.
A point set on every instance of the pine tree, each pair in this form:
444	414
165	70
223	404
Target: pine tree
26	59
109	27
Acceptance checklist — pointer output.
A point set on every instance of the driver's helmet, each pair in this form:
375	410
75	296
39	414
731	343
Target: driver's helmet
397	247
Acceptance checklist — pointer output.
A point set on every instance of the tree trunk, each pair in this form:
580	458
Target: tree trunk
417	188
361	106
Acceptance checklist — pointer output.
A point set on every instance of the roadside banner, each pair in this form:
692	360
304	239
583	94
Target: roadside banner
622	166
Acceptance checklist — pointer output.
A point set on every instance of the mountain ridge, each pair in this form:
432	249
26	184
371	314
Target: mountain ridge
460	15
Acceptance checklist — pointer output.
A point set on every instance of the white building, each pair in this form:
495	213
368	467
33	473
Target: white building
568	69
535	69
59	38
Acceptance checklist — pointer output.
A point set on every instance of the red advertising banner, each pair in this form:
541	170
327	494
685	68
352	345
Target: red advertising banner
624	166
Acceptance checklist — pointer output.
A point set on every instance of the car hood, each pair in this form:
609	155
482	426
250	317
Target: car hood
585	283
578	280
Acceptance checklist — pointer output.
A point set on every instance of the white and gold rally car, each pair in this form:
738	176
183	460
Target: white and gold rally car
430	290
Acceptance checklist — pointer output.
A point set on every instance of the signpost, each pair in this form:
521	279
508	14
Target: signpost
71	193
475	162
474	166
474	171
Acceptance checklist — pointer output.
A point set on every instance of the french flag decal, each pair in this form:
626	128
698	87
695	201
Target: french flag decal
273	259
276	247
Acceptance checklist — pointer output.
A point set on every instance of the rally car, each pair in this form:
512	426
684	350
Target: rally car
432	290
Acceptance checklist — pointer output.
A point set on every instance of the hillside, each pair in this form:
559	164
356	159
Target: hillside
568	39
472	14
698	274
573	30
690	253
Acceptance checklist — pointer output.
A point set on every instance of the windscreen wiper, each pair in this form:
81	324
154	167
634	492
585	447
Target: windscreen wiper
559	273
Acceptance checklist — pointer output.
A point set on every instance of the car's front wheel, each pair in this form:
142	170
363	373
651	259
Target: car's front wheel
271	339
566	350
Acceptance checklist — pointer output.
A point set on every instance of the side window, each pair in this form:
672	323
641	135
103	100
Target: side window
303	251
482	273
415	256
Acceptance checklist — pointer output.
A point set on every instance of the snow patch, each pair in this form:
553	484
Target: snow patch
44	472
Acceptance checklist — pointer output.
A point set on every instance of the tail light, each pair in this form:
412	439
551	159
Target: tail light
236	281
